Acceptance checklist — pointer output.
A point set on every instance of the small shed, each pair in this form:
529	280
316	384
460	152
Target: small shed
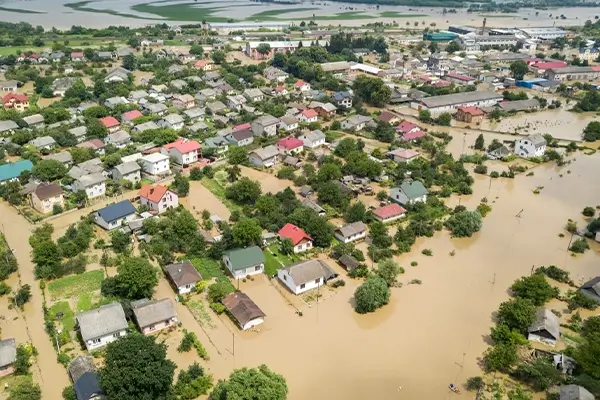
245	311
545	328
349	262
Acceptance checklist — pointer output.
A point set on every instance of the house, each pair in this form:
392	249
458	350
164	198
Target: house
288	123
79	132
183	151
152	316
8	127
244	262
127	171
61	85
130	116
412	136
102	325
93	184
46	196
458	79
407	127
112	102
115	215
183	276
77	56
356	123
15	101
303	276
203	65
218	145
315	207
307	116
264	157
11	171
172	121
87	167
155	108
118	74
43	143
111	123
342	99
216	107
184	101
325	110
403	155
120	139
34	121
236	102
313	139
499	154
545	328
389	213
8	356
290	145
177	84
85	379
275	74
409	192
95	144
388	117
265	126
144	127
301	241
306	191
156	164
253	95
136	96
280	90
245	312
195	114
575	392
531	146
64	157
592	289
159	198
185	56
349	262
351	232
241	138
469	114
450	102
302	86
9	86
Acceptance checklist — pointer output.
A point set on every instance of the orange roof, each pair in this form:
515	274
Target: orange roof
201	63
153	193
471	110
309	113
109	122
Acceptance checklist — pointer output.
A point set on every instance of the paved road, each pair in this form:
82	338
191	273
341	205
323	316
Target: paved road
51	375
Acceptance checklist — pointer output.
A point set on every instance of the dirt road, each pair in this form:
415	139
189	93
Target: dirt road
51	376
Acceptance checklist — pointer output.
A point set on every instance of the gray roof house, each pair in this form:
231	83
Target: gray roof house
592	289
265	156
34	121
155	108
173	121
313	139
216	107
137	95
194	114
85	379
8	356
87	167
79	132
242	137
119	139
575	392
178	84
183	276
409	192
357	122
43	142
305	275
112	102
253	95
64	157
102	326
144	127
154	315
315	207
351	232
118	74
545	328
8	126
265	125
128	171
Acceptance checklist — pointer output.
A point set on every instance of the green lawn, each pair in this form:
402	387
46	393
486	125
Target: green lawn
5	51
271	264
218	190
85	302
209	268
274	259
76	285
68	318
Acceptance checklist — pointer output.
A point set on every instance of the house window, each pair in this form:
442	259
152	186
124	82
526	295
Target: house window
317	281
152	327
116	335
95	341
302	286
257	268
284	278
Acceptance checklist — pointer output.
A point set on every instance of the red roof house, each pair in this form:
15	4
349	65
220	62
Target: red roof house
389	213
242	127
459	77
77	55
290	145
300	240
547	65
413	135
129	116
301	85
15	100
159	198
110	122
407	126
308	115
204	65
183	151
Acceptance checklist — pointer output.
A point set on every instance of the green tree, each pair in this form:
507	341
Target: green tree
197	50
247	232
371	295
503	334
69	393
591	133
356	212
263	49
464	223
539	375
479	142
519	69
500	357
332	194
244	191
445	119
129	62
233	173
218	290
137	368
534	288
589	212
425	116
218	56
181	185
120	241
372	91
22	364
517	314
329	172
345	147
22	296
452	47
136	278
237	155
286	247
195	174
49	170
251	383
389	270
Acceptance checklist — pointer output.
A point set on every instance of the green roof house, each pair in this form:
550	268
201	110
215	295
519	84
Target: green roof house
11	171
244	262
409	192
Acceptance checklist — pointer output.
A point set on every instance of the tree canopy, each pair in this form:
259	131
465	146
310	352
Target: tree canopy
371	295
251	383
464	223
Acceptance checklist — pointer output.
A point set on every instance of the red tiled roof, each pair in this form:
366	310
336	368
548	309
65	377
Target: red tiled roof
549	64
460	77
34	56
242	127
471	110
279	88
413	135
405	153
300	83
15	96
109	122
183	145
77	54
442	84
290	143
201	63
133	114
406	126
389	211
153	193
295	234
310	113
386	116
92	144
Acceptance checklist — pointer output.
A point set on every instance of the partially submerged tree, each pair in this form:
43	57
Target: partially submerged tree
251	383
371	295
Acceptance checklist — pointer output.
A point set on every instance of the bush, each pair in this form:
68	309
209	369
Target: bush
589	211
475	383
427	252
553	272
500	357
494	174
359	272
371	295
22	296
338	283
580	300
464	223
68	393
218	290
190	340
484	209
219	308
534	288
579	245
480	169
56	209
4	288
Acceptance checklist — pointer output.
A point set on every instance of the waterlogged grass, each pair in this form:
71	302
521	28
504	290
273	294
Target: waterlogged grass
68	317
396	14
76	285
207	267
199	312
274	14
82	6
218	189
20	10
181	12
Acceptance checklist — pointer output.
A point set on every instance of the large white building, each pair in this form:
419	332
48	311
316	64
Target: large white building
450	102
279	47
474	42
550	33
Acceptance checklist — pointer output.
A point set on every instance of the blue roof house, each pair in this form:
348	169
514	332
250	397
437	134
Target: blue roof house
11	171
115	215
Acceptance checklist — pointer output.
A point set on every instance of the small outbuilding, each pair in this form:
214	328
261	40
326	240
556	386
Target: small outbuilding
243	310
592	289
349	262
575	392
545	328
